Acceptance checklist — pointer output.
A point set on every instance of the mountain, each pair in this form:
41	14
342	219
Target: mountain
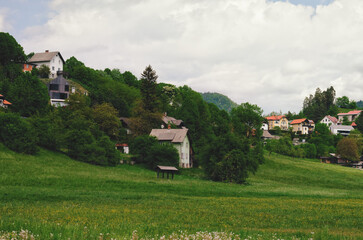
220	100
360	104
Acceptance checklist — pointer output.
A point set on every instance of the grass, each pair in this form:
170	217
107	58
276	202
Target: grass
55	197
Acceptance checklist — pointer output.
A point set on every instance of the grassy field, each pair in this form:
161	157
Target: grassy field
55	197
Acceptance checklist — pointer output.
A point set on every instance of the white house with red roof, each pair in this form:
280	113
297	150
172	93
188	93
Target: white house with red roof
278	121
351	116
53	60
4	103
329	120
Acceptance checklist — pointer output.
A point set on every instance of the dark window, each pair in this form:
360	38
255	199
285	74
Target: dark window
66	88
55	95
63	96
53	87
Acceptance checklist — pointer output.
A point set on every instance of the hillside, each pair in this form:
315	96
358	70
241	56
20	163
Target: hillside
220	100
52	195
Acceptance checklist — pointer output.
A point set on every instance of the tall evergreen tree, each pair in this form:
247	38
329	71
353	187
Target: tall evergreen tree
148	89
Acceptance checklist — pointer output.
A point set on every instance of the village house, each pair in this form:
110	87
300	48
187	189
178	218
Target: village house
351	116
53	60
28	67
4	103
329	120
58	90
302	126
277	121
341	129
179	139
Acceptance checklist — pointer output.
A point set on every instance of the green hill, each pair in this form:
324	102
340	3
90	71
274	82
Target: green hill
55	197
220	100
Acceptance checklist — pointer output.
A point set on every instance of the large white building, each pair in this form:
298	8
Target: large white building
53	60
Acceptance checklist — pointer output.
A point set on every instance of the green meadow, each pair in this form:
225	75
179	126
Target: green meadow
53	197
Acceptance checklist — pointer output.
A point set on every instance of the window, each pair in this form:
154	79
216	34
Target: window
53	68
66	88
53	87
63	96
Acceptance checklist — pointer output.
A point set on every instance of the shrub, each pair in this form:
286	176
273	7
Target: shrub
17	134
162	154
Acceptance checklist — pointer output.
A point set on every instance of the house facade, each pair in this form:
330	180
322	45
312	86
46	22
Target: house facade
278	121
179	139
53	60
341	129
329	120
351	116
302	126
58	90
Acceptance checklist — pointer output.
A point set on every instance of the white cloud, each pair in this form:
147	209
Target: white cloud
269	53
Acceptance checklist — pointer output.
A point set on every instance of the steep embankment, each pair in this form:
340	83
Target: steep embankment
52	194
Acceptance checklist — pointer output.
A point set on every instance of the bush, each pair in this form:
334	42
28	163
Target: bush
162	154
17	134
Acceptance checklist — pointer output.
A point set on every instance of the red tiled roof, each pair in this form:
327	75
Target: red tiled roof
354	112
353	124
121	145
311	121
7	102
298	121
333	119
274	118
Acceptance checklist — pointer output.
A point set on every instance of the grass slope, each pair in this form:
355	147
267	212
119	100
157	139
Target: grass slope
55	197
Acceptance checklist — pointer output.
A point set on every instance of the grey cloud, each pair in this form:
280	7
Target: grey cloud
269	53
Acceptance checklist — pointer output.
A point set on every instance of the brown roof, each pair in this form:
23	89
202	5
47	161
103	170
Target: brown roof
168	168
266	134
127	121
167	120
44	57
173	135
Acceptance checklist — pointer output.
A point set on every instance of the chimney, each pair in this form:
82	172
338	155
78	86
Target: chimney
46	50
169	126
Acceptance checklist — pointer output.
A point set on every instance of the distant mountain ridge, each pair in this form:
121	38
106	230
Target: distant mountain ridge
221	101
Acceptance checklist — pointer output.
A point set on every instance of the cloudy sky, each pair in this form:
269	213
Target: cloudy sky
268	52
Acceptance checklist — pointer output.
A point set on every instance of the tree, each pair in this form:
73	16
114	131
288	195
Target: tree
28	95
10	50
316	106
247	118
347	148
106	116
44	71
162	154
343	102
148	89
17	134
359	122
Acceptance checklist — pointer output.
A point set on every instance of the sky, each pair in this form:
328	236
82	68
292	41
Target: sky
272	53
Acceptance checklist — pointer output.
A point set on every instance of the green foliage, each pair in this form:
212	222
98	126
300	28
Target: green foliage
148	90
348	148
162	154
220	100
106	116
246	118
359	122
28	95
44	71
344	102
10	50
284	146
17	134
148	151
141	147
317	106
